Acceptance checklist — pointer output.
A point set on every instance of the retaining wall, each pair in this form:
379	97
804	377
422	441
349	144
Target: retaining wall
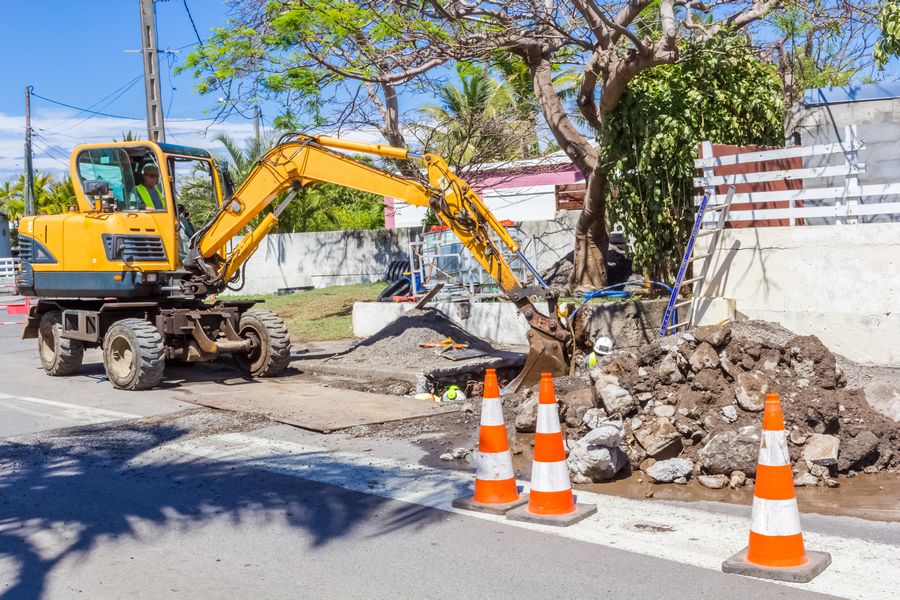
838	282
629	324
323	258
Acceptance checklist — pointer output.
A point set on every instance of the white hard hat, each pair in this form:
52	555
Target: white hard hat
603	345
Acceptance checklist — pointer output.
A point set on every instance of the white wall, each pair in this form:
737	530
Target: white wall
838	282
531	203
323	258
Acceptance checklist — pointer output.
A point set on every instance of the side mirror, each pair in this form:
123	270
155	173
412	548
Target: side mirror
96	187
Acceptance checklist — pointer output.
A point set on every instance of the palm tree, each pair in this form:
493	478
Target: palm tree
241	160
475	121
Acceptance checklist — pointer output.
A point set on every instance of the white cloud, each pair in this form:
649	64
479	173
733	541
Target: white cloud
57	132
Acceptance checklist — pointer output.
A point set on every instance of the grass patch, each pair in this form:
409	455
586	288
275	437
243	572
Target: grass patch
322	314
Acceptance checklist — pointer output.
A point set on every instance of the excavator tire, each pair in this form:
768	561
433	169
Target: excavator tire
59	356
134	354
271	350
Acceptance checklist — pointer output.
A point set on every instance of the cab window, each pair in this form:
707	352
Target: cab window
132	174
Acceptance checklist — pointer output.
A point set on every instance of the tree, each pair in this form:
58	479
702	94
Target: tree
315	208
719	90
352	58
474	122
820	44
51	196
889	24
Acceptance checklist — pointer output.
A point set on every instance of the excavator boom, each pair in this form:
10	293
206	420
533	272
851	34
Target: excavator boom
299	160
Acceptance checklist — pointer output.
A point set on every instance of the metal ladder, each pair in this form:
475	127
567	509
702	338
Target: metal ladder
668	326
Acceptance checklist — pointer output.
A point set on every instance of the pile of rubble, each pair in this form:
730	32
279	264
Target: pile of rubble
690	405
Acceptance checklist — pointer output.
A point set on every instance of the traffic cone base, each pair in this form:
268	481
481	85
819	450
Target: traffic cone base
577	513
495	480
775	549
550	501
816	562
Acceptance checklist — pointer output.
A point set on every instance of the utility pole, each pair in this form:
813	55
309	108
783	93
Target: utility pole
29	167
156	128
256	118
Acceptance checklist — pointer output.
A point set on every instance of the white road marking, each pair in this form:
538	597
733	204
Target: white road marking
860	569
76	413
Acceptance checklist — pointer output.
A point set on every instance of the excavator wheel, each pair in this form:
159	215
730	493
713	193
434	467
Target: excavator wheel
134	354
59	356
270	351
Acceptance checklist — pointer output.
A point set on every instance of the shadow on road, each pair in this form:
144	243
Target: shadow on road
93	485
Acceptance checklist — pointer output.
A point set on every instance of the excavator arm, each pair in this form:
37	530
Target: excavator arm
299	160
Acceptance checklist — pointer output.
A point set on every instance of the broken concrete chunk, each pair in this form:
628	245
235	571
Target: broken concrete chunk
714	482
594	417
659	438
730	413
667	471
856	450
715	335
804	479
666	410
617	400
608	434
821	449
738	478
670	368
704	357
797	438
732	451
750	390
590	463
526	416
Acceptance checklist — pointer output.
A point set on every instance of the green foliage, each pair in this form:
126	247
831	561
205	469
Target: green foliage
316	208
51	196
477	121
281	52
889	23
720	91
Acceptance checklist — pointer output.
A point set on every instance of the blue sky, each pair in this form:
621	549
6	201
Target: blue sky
75	52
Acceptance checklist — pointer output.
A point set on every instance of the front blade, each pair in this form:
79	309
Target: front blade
546	355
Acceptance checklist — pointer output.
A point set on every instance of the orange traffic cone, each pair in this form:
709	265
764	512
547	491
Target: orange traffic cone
776	548
495	481
550	501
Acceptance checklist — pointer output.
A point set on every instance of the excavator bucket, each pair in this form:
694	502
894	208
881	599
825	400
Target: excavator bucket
546	355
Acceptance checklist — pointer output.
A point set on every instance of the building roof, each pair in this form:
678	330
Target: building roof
884	90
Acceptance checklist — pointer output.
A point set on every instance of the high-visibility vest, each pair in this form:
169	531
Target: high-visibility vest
152	197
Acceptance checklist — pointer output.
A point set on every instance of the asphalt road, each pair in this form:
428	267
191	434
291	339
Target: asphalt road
108	494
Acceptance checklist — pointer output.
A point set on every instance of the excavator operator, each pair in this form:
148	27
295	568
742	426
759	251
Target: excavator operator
148	194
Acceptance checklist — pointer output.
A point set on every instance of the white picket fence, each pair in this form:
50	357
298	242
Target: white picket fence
8	275
824	205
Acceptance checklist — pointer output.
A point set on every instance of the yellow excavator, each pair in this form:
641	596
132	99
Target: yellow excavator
126	270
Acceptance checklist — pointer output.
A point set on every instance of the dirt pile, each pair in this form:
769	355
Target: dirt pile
397	347
700	396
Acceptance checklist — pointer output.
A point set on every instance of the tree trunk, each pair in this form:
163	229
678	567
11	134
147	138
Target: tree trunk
591	236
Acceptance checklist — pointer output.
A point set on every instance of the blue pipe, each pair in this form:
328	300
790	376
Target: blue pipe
611	291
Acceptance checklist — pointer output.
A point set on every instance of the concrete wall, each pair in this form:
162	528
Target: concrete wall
323	258
628	324
877	124
326	258
838	282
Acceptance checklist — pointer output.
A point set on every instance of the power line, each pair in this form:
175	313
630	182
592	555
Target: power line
124	86
106	114
87	110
